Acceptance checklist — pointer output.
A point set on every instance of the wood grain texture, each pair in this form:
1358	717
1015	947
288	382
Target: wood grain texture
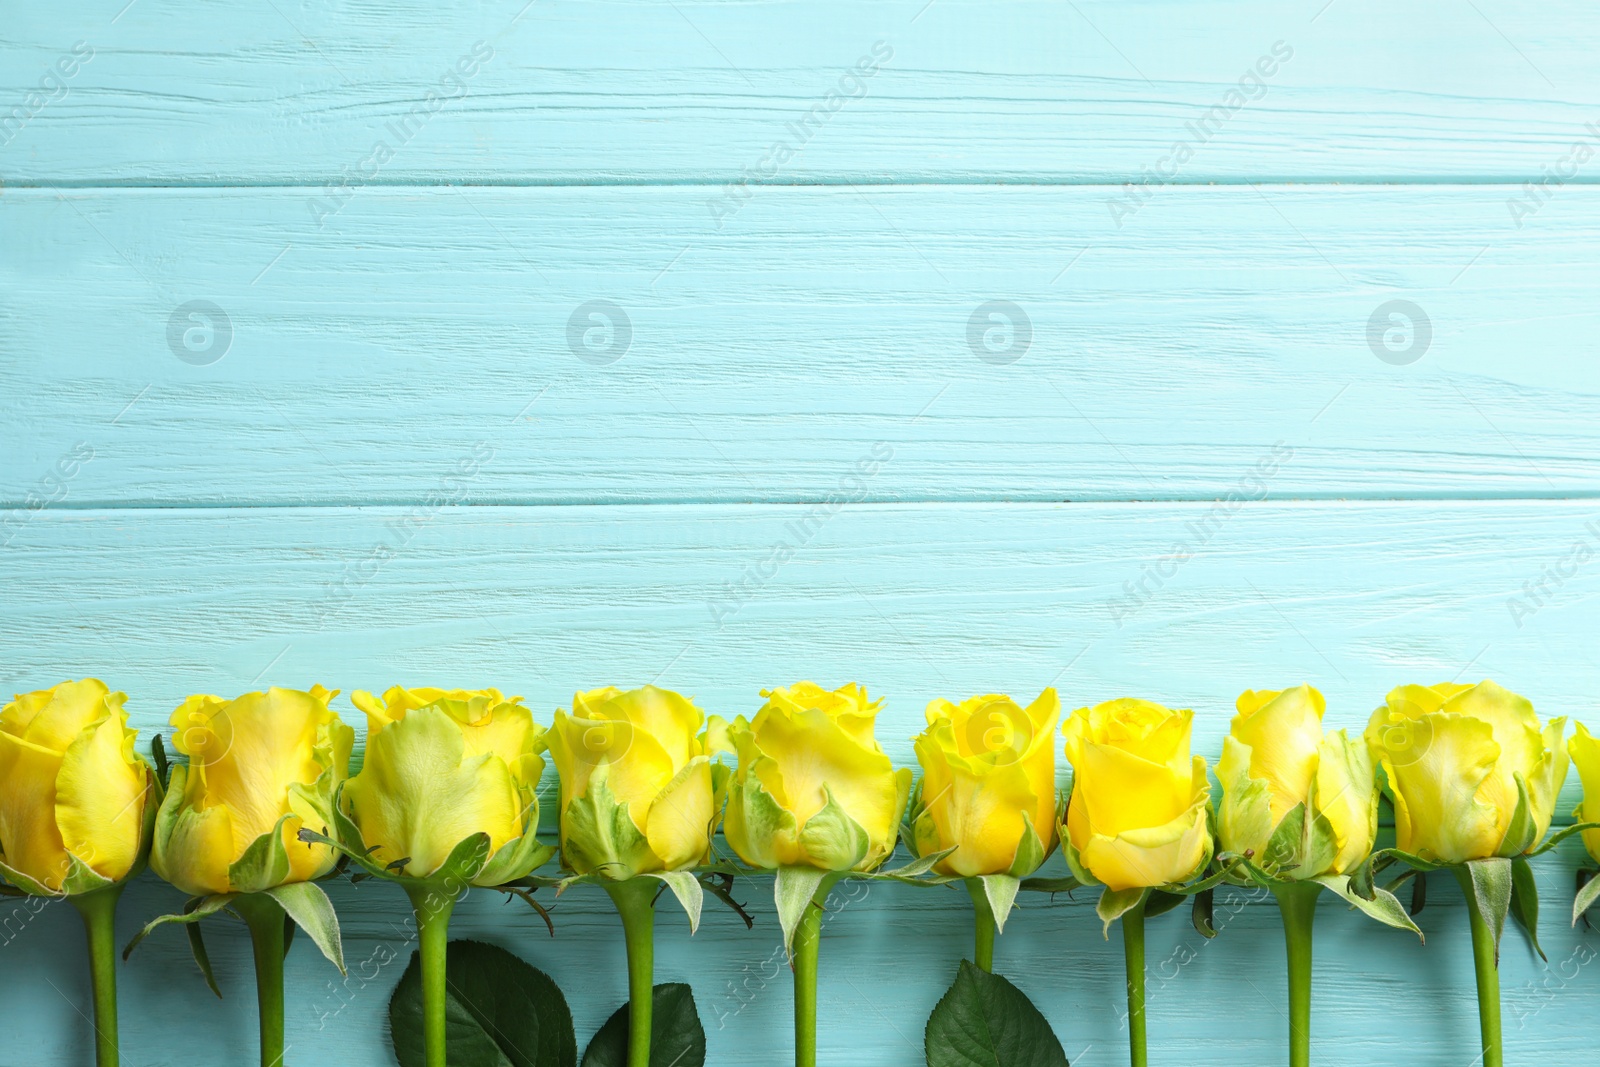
917	601
703	90
1166	358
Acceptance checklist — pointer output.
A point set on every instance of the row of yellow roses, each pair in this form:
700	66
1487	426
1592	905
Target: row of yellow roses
812	786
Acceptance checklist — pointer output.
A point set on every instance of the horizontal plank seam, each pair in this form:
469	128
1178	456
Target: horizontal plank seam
713	182
975	502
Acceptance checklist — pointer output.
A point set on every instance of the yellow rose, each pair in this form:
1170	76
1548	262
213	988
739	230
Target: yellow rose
988	785
442	766
1137	814
812	788
1471	773
260	766
1277	763
73	794
1585	751
639	792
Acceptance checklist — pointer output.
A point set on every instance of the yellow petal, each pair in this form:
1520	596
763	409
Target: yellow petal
680	822
1283	734
1347	795
100	797
1585	751
1155	855
28	830
809	749
1439	813
421	793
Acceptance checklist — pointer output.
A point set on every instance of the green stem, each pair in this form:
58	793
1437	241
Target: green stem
636	903
432	905
265	919
99	911
1297	903
1487	966
983	924
1133	958
807	940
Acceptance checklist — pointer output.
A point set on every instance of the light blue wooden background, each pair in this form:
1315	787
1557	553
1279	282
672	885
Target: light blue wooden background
402	471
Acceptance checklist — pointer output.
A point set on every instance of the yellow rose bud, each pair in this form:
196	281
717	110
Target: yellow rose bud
1276	763
1471	773
1585	752
260	767
812	788
988	785
639	791
73	794
1137	813
442	766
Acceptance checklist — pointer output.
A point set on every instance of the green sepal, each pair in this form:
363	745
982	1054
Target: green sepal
1001	892
514	859
599	833
196	909
26	884
1525	903
1383	905
1115	903
1201	916
1487	885
264	862
1521	834
832	838
793	889
202	958
312	911
1561	835
1051	885
1161	902
913	873
1588	891
720	885
1030	853
686	887
1300	848
1385	856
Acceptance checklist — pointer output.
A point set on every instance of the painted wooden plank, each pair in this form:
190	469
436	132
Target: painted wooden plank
916	600
510	91
446	345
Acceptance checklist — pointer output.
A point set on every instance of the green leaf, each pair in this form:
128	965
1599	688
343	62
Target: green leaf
1115	903
312	911
499	1012
985	1021
676	1036
1588	890
1525	902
